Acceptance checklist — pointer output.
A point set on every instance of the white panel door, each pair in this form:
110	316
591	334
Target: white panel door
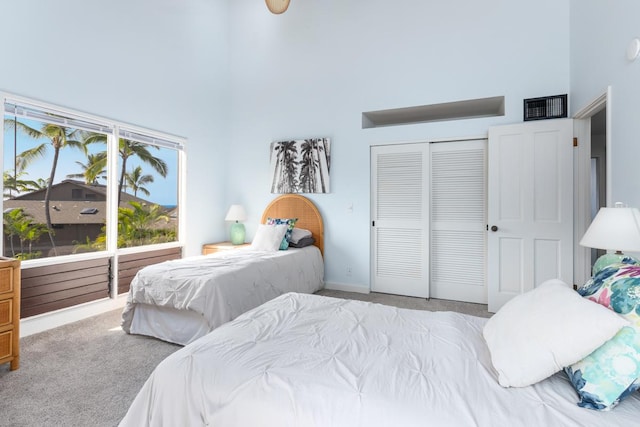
459	220
530	207
400	219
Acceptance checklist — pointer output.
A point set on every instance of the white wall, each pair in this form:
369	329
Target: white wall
600	34
312	71
161	64
231	77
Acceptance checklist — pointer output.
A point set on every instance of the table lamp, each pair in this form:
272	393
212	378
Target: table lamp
236	213
616	229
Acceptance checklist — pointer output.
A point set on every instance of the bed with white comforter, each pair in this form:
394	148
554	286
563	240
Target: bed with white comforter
307	360
181	300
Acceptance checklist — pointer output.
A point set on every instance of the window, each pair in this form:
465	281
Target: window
75	184
148	189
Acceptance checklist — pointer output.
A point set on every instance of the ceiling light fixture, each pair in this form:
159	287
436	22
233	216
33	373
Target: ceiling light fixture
277	6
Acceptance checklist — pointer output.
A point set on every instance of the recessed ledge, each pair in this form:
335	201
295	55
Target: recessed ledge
468	109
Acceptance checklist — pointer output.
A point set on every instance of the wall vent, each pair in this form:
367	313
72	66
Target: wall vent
547	107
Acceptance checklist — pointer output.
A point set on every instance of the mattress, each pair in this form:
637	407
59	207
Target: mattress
309	360
181	300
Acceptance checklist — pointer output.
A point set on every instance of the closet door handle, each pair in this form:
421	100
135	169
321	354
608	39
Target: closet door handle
494	228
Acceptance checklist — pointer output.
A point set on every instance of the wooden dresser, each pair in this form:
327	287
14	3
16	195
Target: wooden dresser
10	312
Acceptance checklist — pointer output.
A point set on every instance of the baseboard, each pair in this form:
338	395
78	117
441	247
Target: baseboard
361	289
43	322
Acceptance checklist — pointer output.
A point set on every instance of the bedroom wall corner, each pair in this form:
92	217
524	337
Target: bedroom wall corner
600	35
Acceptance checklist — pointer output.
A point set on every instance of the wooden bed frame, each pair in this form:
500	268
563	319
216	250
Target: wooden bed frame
296	206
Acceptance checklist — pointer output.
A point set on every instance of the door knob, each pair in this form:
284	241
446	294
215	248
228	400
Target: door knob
494	228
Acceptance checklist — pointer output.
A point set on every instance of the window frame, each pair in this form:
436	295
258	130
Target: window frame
114	130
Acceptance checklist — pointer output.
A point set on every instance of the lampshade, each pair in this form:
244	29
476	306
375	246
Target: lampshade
615	229
277	6
236	213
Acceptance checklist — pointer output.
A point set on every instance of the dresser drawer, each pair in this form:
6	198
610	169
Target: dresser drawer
6	280
6	313
6	349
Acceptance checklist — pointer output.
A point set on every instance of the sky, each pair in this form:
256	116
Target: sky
164	191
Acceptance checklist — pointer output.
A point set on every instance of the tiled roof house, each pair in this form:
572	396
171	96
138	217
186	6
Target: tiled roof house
78	211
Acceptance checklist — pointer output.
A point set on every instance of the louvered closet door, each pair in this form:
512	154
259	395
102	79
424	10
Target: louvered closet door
458	220
400	219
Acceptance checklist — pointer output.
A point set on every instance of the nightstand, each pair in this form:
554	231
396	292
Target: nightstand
211	248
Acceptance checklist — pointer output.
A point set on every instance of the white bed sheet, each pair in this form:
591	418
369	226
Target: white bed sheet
181	300
308	360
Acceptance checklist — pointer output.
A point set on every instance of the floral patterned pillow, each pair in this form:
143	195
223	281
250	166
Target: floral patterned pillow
612	372
284	245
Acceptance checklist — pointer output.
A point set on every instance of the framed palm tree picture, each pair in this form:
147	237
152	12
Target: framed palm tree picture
301	166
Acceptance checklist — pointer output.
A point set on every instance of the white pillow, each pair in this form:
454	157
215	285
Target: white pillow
269	237
537	333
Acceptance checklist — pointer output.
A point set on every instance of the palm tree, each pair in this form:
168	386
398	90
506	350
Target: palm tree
309	166
315	161
18	223
136	225
32	234
127	149
286	152
58	137
321	149
136	181
289	163
276	150
12	225
38	184
12	183
94	169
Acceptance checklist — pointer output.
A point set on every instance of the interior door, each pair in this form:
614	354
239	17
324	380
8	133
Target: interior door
458	220
530	207
400	219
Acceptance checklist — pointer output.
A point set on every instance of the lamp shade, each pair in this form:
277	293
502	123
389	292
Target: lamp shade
236	213
277	6
615	229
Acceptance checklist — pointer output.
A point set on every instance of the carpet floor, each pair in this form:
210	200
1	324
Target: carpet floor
87	373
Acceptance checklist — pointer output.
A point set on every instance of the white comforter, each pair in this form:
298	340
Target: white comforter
224	285
307	360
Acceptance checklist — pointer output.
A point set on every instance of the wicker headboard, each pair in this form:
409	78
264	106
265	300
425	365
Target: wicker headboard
296	206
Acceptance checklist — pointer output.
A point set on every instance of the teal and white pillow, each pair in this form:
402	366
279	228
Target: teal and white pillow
612	372
291	222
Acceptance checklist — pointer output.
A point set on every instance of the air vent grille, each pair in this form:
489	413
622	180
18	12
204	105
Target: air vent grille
547	107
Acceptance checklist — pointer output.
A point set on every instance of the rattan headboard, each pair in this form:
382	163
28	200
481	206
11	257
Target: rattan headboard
296	206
